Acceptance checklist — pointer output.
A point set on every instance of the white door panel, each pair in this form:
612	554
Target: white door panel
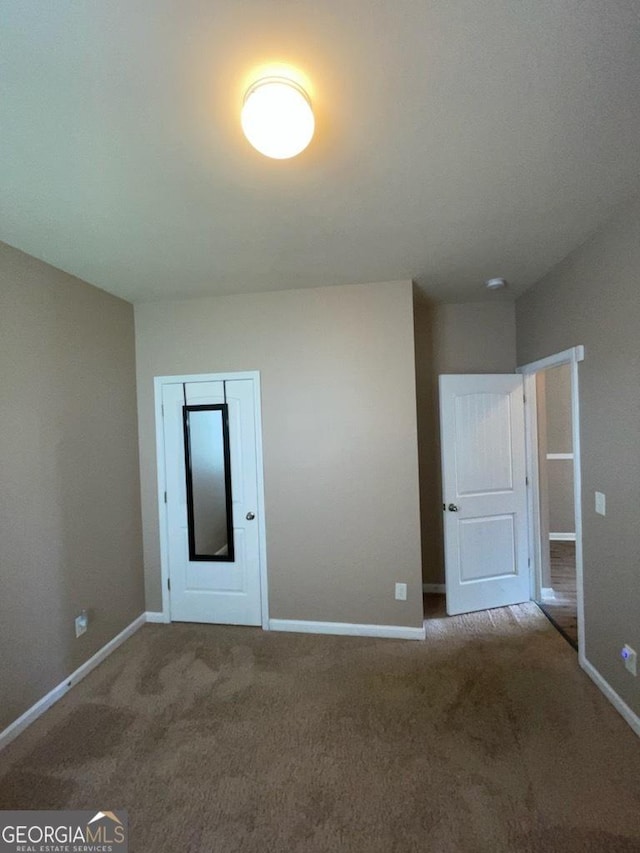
484	464
484	491
203	590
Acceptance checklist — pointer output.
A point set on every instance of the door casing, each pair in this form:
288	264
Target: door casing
158	383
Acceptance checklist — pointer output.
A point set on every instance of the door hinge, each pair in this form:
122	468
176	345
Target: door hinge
162	409
526	479
169	584
165	497
529	562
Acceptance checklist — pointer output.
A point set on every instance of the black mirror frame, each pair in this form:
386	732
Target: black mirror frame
209	558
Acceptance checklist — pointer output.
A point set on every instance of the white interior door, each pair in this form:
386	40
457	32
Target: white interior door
211	502
484	491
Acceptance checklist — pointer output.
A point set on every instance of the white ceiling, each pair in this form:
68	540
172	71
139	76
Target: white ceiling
456	140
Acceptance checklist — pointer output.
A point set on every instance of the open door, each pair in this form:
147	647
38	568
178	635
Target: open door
484	491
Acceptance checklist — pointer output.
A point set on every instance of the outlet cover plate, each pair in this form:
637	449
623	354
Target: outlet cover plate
630	659
82	623
401	592
601	503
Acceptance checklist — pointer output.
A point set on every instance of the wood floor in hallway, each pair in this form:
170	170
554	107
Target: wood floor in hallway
562	610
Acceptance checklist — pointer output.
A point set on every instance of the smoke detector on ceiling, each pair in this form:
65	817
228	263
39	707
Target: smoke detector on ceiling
495	283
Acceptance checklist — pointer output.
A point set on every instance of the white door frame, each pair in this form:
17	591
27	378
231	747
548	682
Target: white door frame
572	357
158	383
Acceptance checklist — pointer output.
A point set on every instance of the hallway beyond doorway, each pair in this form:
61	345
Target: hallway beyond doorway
561	609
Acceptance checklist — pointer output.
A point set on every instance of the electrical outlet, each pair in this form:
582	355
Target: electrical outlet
82	623
601	504
401	592
630	659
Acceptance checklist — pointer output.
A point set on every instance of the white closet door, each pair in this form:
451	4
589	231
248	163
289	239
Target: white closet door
225	588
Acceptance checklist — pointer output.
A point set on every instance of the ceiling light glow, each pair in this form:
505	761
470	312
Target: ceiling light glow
277	118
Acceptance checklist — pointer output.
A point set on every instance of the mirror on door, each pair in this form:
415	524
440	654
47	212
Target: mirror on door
208	476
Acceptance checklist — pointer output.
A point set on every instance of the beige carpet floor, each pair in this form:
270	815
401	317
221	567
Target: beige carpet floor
486	738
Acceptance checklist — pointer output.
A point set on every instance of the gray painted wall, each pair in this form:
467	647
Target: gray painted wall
593	298
560	481
70	534
475	337
558	393
339	436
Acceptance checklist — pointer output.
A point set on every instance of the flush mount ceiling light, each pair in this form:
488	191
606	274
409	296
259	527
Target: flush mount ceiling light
495	283
277	118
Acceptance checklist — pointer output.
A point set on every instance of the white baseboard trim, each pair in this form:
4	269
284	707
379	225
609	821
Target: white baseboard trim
156	616
562	537
17	726
619	704
298	626
434	587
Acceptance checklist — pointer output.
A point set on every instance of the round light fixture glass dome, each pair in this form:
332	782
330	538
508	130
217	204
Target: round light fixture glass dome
277	118
495	283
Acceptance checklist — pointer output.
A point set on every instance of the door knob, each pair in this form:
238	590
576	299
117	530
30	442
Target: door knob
452	508
250	516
